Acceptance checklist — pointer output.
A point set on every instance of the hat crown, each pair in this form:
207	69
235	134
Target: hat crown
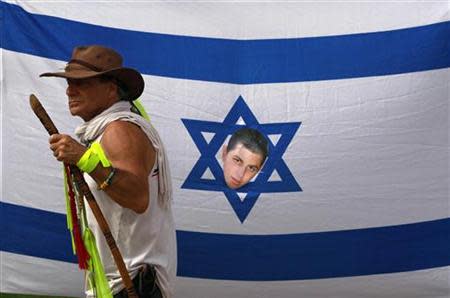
97	58
95	61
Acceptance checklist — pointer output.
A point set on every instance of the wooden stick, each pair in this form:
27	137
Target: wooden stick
45	119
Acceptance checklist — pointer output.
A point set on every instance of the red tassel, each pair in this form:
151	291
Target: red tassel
82	253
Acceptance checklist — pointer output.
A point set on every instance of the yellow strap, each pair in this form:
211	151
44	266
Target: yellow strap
68	209
98	150
90	159
137	103
97	278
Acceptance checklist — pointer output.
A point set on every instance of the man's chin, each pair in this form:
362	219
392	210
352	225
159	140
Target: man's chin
233	186
74	112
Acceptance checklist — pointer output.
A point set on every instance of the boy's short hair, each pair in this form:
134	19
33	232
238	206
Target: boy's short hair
251	139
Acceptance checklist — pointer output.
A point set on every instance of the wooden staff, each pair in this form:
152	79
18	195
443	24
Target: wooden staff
41	113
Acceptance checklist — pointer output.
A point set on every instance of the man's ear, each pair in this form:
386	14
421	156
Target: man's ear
114	90
224	152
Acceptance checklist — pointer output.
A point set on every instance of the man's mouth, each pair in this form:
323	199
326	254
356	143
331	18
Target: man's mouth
73	103
235	181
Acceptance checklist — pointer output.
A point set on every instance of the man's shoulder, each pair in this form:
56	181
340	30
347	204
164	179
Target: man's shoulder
122	133
123	126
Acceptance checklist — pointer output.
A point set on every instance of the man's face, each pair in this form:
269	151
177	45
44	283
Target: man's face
240	165
90	97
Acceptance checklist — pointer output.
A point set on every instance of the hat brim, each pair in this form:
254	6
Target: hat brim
129	78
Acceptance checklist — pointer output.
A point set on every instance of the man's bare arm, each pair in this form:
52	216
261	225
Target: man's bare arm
130	153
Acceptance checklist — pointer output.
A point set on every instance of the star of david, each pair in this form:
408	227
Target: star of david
262	183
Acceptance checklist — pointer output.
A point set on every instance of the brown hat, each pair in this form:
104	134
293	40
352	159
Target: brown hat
94	61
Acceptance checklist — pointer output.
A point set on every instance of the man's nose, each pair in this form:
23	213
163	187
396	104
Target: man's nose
71	90
240	172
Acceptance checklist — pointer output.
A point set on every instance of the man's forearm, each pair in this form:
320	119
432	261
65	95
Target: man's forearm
126	189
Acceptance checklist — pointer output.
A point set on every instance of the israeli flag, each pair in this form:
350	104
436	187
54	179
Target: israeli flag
353	200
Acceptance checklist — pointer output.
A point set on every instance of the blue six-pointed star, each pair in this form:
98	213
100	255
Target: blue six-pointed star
209	150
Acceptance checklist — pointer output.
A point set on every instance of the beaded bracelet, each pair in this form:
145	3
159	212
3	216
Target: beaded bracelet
108	180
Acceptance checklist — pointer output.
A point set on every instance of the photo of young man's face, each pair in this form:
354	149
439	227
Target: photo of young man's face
243	157
240	165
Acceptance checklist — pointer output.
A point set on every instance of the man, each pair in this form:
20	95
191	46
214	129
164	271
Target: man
243	157
127	172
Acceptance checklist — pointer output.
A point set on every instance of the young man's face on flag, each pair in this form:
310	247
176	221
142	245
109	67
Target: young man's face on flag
240	165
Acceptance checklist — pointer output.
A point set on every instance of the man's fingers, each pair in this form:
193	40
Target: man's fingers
54	138
59	137
66	149
60	157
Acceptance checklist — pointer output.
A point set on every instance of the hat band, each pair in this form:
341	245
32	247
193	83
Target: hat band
86	64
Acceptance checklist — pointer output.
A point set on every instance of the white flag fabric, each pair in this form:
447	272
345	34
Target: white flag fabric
353	200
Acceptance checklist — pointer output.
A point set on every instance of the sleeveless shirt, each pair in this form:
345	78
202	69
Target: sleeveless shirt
141	238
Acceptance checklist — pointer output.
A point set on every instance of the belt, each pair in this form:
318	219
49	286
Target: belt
144	283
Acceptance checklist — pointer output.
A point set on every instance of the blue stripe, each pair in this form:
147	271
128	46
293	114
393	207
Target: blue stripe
257	257
236	61
35	232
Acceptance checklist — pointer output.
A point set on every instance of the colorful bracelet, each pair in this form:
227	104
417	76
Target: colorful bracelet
108	180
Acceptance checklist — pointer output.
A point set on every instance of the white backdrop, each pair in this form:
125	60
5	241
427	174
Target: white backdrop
353	95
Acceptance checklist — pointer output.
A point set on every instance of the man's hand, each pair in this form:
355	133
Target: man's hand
66	149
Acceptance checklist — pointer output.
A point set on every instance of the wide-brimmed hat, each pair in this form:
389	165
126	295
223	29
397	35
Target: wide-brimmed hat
94	61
